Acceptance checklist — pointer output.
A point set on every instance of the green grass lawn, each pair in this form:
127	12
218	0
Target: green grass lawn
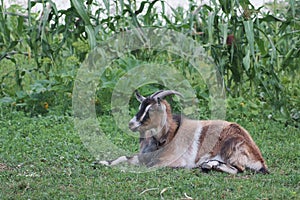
44	158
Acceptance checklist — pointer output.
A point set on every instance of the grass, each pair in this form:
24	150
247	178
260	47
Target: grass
44	158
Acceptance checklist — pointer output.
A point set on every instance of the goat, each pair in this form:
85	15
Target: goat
168	140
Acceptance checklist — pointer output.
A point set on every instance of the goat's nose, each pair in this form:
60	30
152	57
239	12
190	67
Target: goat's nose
133	125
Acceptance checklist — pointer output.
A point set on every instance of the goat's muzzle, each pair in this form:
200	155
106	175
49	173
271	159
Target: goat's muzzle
134	124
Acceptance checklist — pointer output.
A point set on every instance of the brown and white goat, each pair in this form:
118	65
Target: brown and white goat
168	140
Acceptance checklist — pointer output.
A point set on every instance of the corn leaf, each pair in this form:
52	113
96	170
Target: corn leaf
248	25
210	27
81	11
91	36
246	61
88	26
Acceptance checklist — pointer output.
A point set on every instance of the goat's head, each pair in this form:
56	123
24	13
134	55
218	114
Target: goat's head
152	112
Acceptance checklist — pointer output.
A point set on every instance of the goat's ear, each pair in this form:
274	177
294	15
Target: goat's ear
139	97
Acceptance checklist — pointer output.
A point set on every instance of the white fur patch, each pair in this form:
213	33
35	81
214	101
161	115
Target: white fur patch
119	160
226	168
216	163
134	160
145	112
194	148
255	165
104	162
187	160
207	158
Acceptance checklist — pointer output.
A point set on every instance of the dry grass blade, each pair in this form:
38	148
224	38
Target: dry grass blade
147	190
186	197
163	190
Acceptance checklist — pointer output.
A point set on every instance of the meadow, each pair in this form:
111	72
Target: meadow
255	54
43	158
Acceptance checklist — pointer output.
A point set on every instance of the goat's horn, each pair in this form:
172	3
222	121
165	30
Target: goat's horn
162	93
139	97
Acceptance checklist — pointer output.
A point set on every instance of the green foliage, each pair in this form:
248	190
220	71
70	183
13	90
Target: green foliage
256	52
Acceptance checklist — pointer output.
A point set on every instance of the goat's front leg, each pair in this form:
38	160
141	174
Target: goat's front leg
147	145
130	160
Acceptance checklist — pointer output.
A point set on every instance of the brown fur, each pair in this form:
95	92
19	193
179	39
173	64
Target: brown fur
170	131
209	136
233	138
210	144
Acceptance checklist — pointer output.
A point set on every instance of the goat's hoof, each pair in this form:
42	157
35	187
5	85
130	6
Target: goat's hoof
264	170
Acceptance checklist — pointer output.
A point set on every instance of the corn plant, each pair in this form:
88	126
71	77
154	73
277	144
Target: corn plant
256	52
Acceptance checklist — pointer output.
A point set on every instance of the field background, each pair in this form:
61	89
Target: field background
256	51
